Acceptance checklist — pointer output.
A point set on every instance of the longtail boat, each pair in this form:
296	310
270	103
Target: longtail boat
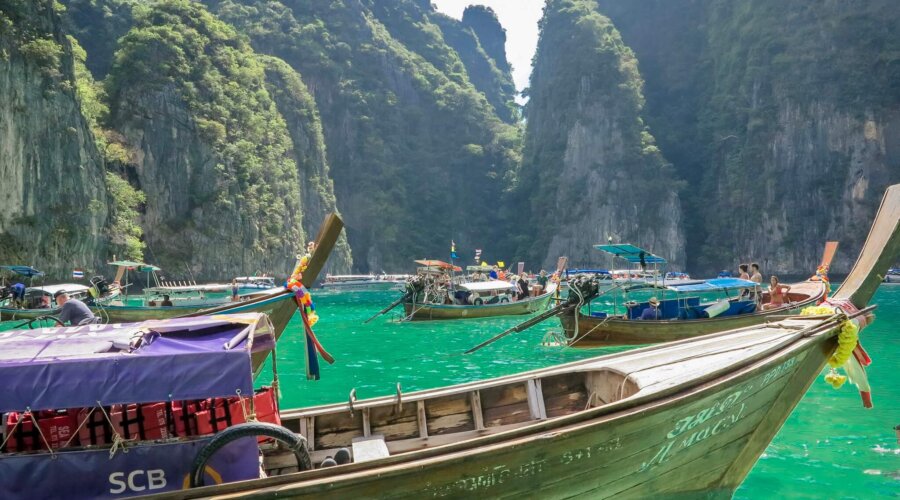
433	294
278	303
590	330
683	419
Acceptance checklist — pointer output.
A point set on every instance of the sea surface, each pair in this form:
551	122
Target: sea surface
830	447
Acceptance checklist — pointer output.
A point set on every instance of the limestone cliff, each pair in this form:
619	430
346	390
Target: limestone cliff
298	108
490	76
212	154
590	167
417	154
53	202
782	117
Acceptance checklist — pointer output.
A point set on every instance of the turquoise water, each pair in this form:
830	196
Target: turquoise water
830	447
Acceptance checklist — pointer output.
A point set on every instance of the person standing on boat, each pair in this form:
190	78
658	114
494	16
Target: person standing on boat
744	275
651	312
523	287
234	290
541	282
72	311
757	278
493	274
18	295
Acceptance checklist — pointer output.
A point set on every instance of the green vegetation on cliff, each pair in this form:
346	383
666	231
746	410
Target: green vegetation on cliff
177	46
591	168
778	114
410	147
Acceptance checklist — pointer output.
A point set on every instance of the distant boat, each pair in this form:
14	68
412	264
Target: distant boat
892	276
683	315
364	281
434	294
40	301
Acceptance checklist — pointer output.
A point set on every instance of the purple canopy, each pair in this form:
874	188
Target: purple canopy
185	358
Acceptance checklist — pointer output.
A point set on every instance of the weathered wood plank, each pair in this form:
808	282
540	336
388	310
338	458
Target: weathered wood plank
477	412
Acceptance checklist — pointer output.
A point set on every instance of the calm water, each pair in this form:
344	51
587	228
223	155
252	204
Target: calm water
830	447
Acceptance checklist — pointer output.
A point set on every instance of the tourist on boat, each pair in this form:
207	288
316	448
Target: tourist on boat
18	295
541	283
651	312
522	285
45	302
166	302
493	274
73	311
234	290
756	276
778	294
744	274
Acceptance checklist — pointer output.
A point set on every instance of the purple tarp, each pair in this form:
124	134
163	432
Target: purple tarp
54	368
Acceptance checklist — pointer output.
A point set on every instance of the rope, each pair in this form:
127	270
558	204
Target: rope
40	432
117	438
78	429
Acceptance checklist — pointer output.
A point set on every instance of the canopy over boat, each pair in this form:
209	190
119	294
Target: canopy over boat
631	253
713	285
185	358
485	286
65	287
26	271
587	271
438	264
133	265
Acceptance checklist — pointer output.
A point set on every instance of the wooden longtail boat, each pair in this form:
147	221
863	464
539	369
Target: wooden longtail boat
419	311
683	419
582	330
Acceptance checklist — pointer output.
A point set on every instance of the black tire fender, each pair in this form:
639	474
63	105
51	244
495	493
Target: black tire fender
296	443
478	301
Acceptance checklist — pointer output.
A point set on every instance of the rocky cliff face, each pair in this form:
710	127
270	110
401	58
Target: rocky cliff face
780	116
212	154
591	170
490	76
52	195
416	152
298	108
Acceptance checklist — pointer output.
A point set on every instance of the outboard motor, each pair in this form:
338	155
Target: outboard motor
584	287
100	283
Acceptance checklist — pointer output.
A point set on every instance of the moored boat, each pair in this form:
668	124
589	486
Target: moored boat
495	298
682	315
358	282
684	419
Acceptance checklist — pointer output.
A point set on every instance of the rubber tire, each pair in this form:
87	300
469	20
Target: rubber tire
296	443
478	301
504	300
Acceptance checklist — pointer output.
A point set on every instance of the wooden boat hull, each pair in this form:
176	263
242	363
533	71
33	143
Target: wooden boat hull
588	331
437	311
9	313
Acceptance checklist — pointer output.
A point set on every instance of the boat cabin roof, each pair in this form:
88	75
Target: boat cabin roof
134	265
64	287
587	271
631	253
255	278
485	286
716	284
159	360
439	264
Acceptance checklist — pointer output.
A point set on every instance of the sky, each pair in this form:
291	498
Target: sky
519	18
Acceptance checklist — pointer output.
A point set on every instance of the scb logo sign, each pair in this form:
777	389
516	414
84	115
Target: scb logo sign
136	481
152	479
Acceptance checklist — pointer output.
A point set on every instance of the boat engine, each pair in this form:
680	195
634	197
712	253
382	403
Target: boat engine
582	289
100	283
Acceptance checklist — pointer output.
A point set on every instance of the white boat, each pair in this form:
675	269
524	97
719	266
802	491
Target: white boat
364	281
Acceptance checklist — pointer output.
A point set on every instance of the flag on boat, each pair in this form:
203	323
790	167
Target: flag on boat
453	250
478	255
77	274
521	268
501	264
